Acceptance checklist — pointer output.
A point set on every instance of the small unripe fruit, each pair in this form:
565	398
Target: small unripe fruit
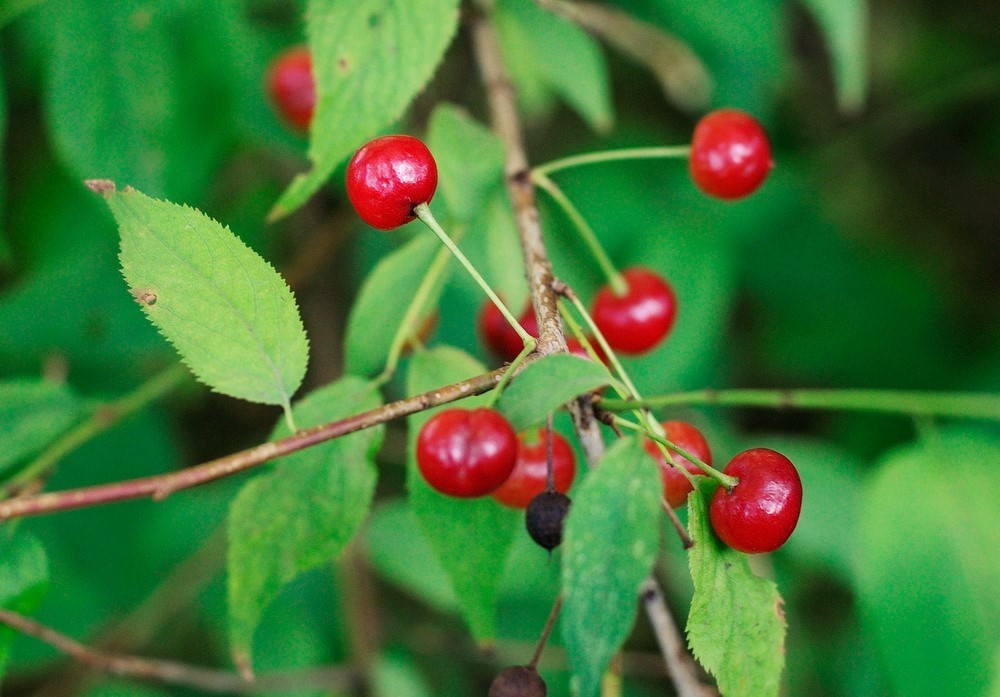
545	516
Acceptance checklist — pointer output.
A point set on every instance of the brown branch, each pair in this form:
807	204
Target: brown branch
541	282
160	486
681	668
205	679
503	111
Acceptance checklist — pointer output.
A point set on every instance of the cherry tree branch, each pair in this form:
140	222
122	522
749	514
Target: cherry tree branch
541	282
543	286
205	679
160	486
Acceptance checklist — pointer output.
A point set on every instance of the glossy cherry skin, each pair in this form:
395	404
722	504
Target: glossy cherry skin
530	473
290	86
730	154
496	332
676	486
388	177
639	320
466	452
763	508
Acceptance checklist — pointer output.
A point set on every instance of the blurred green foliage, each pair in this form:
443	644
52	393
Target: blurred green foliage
869	259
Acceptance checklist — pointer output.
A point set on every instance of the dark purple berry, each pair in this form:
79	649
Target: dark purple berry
544	518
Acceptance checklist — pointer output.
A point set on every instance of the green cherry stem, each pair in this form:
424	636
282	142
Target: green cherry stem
651	425
723	479
615	279
423	212
603	343
618	155
969	405
408	325
511	370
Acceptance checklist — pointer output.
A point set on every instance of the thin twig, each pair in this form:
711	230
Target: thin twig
549	624
681	668
160	486
205	679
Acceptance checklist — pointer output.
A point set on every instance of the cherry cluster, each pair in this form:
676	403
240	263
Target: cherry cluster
475	452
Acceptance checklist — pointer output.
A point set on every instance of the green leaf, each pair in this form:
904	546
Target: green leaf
471	537
736	626
373	322
398	551
560	55
469	157
546	385
610	544
370	58
844	23
33	413
24	578
121	104
505	259
303	512
228	313
4	244
930	524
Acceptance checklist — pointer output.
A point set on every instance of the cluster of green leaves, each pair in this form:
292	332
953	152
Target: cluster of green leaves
798	285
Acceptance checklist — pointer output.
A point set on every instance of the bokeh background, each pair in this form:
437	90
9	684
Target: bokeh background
870	259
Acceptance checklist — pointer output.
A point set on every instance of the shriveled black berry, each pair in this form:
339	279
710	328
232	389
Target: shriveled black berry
544	518
518	681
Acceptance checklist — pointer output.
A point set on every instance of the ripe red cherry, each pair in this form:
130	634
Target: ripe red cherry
640	319
290	86
761	511
499	336
676	487
466	452
530	474
730	154
388	177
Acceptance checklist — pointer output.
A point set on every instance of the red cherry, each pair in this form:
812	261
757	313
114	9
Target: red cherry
637	321
530	474
499	336
388	177
466	452
676	486
730	154
761	511
291	88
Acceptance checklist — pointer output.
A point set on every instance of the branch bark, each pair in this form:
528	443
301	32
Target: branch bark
160	486
505	121
205	679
